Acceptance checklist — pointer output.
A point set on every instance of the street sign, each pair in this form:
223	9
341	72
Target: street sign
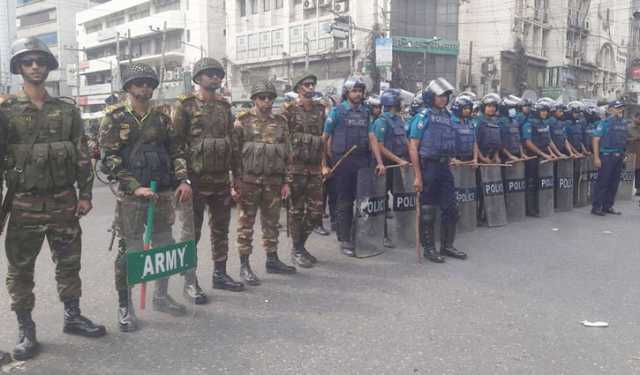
160	262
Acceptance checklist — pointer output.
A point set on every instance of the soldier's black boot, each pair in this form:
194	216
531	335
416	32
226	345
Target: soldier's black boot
221	280
447	238
192	291
246	273
428	234
76	324
127	321
313	259
275	265
4	358
299	256
162	301
27	345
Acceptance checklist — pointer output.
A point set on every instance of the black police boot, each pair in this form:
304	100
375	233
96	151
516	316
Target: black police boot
611	211
275	265
192	291
597	211
298	256
428	234
448	236
27	345
127	321
4	358
321	230
162	301
313	259
246	273
76	324
221	280
348	248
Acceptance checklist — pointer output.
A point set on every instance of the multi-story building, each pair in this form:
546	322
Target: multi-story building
48	20
7	36
633	70
564	49
122	31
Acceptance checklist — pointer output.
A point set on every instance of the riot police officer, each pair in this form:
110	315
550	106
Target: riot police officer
261	140
558	130
488	130
390	136
139	145
45	157
204	120
609	142
306	120
574	127
375	107
510	129
347	126
466	146
432	145
536	132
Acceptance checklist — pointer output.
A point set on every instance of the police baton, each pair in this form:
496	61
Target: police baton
335	166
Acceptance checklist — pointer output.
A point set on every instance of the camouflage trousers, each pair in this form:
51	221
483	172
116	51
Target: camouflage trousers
267	199
131	214
34	217
218	202
305	206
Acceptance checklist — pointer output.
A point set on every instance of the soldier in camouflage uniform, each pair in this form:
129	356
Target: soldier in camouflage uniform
261	141
139	145
45	154
204	120
306	121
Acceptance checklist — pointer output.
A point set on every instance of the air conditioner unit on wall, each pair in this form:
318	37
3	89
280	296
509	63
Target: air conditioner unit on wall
340	6
309	4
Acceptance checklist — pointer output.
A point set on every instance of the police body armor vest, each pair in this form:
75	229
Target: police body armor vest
264	150
465	138
354	131
395	137
587	133
306	137
558	136
576	128
439	138
149	162
617	134
540	134
209	143
49	164
489	135
511	139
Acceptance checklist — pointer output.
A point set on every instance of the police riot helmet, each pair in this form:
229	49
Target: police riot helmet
31	44
437	87
575	107
353	83
460	103
390	98
135	71
373	101
489	99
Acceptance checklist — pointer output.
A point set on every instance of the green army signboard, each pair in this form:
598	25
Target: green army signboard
160	262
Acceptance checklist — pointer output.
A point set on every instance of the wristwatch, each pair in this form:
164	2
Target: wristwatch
186	181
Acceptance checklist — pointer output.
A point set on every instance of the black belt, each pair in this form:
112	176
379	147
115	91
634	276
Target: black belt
442	159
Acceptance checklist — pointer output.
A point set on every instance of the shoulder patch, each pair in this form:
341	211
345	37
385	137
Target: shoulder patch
66	100
242	114
114	108
186	96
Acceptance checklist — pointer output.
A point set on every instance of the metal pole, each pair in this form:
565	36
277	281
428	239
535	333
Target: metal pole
129	44
470	63
162	66
306	53
350	47
111	71
78	75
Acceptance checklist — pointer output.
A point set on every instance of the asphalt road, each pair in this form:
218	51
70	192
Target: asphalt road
514	307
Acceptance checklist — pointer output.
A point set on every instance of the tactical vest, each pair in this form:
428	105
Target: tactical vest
540	134
587	134
264	151
439	138
557	131
511	139
51	163
465	139
352	130
209	143
306	137
395	137
149	162
617	134
576	128
489	140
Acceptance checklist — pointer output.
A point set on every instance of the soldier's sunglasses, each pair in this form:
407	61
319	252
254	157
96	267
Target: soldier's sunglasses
143	82
213	73
265	97
28	61
308	84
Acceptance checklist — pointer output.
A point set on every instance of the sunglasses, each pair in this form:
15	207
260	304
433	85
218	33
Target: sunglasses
40	61
213	73
308	84
143	82
265	97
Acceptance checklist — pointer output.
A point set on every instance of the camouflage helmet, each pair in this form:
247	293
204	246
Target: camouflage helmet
303	77
207	63
32	44
265	88
137	71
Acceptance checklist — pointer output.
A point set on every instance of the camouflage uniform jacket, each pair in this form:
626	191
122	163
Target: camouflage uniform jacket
59	157
305	134
121	127
207	129
263	148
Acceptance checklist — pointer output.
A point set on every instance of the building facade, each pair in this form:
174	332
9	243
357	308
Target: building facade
121	31
7	36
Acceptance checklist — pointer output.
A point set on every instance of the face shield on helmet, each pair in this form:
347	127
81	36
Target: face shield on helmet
437	87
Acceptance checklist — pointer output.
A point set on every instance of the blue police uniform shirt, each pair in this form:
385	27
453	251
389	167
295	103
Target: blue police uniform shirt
601	129
332	120
526	130
379	126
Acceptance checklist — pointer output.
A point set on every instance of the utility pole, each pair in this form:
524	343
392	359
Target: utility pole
470	64
163	47
306	53
350	46
77	50
129	44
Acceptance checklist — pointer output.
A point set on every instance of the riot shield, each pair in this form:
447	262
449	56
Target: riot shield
563	192
492	189
625	189
579	173
369	214
403	203
586	169
514	191
464	177
545	192
157	250
593	176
